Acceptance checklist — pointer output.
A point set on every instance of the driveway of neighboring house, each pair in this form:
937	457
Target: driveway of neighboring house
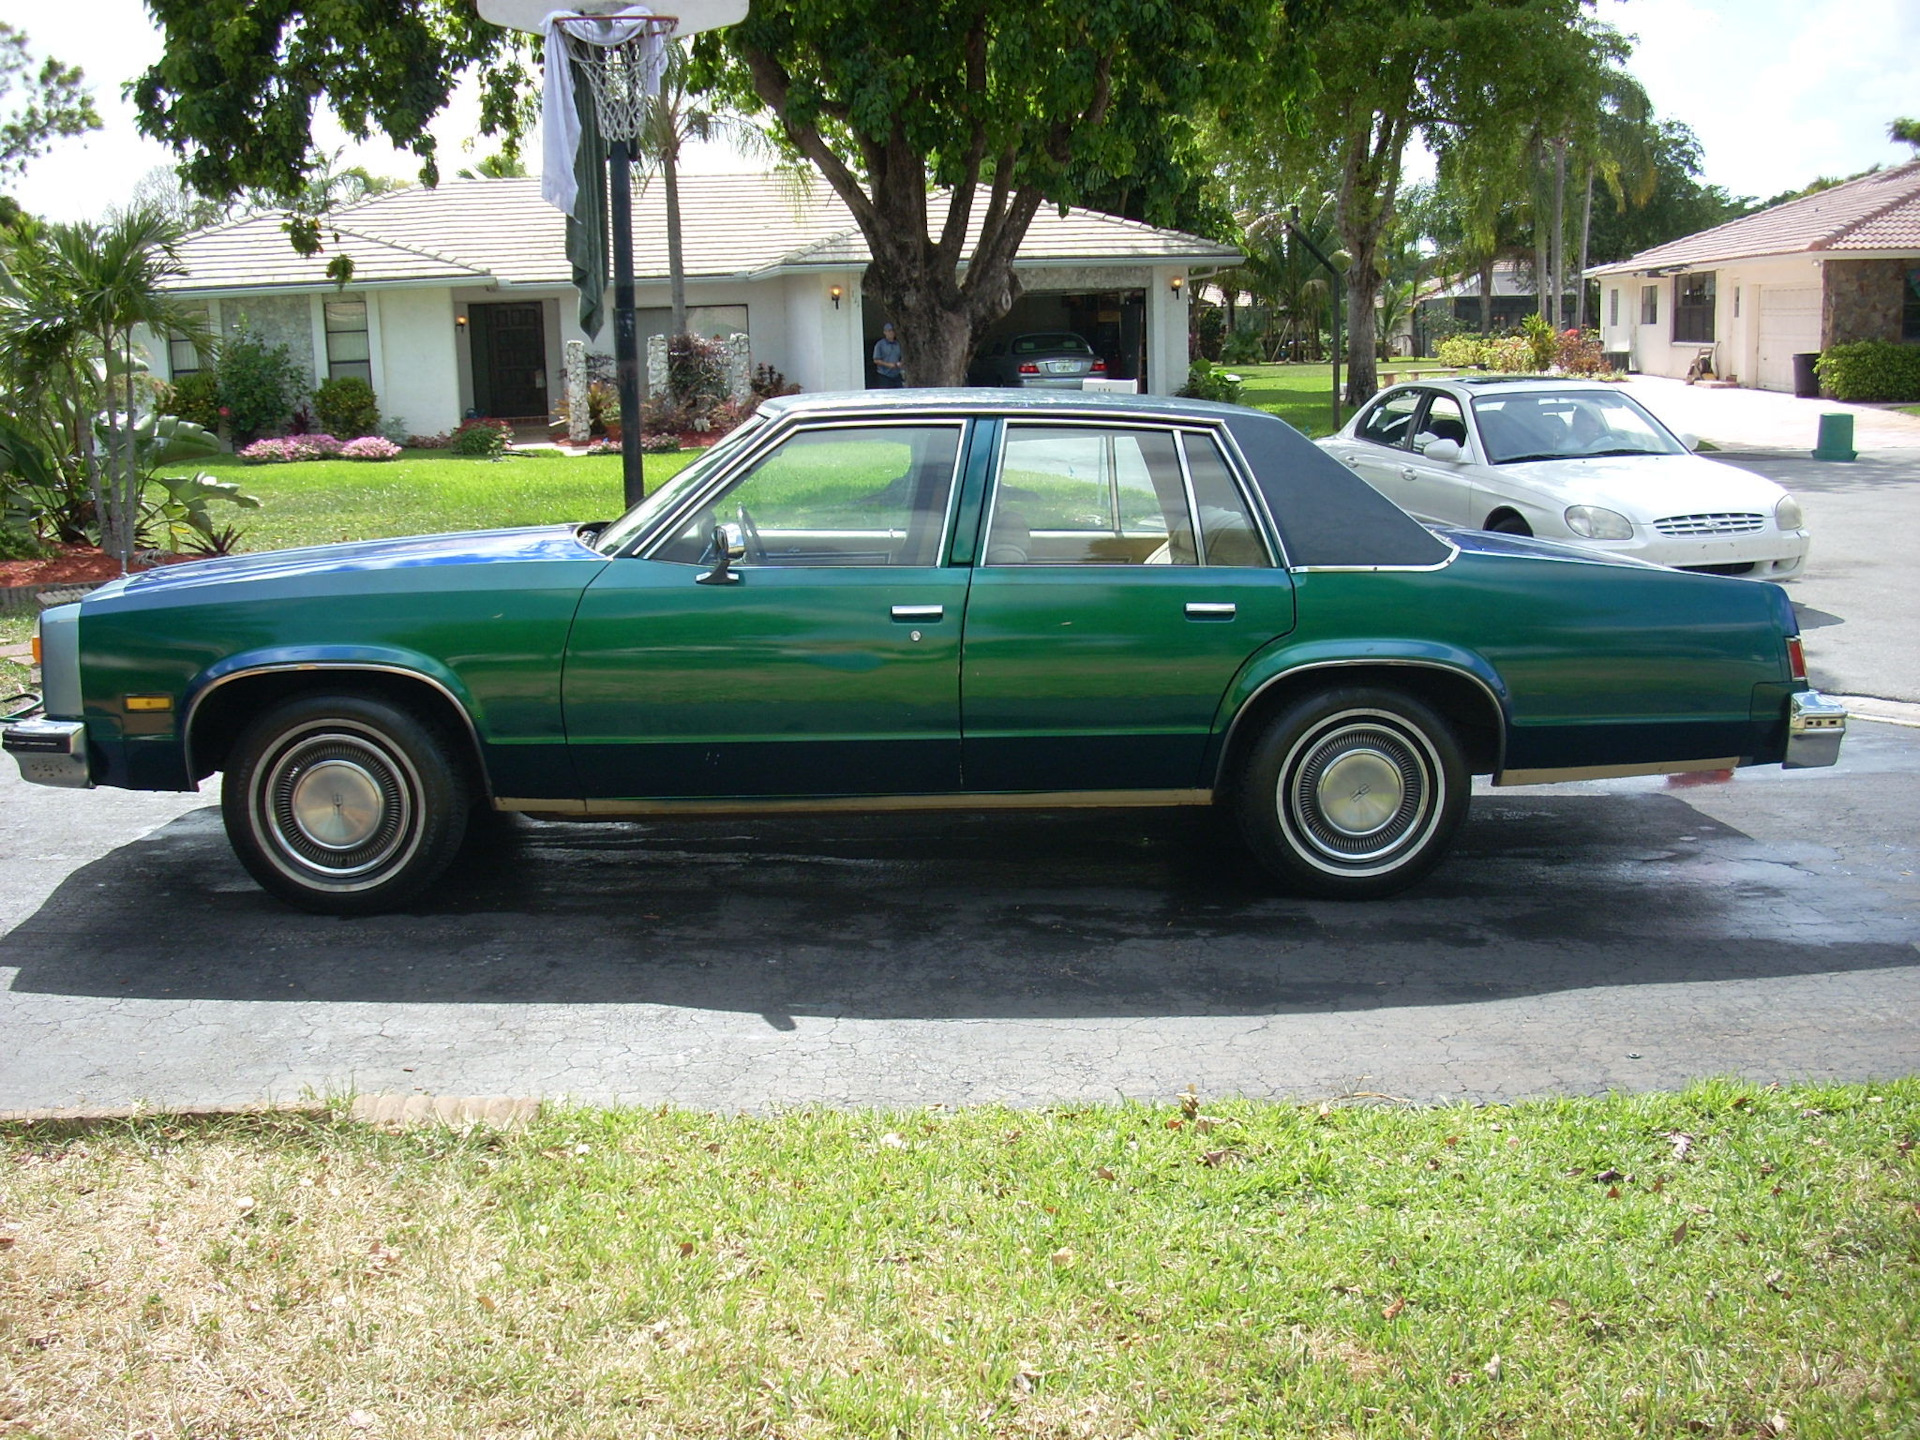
1767	420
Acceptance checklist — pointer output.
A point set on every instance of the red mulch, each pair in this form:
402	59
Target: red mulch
73	565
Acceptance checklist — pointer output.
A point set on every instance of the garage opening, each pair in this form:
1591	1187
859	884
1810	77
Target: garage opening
1113	322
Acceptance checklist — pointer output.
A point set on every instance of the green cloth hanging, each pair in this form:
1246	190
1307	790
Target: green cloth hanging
587	225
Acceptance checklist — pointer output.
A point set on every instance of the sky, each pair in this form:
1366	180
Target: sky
1778	91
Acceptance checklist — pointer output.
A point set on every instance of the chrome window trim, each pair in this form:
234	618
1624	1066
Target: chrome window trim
778	434
1499	710
374	667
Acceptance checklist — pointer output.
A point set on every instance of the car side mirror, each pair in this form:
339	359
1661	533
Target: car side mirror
1689	439
1443	452
729	544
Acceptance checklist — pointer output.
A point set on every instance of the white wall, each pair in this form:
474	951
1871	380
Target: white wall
1740	284
416	343
1167	330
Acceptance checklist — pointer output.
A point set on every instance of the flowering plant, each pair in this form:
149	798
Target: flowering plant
288	448
370	447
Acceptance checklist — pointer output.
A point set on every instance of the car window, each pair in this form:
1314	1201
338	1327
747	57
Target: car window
664	501
1072	495
1443	421
843	495
1229	535
1564	425
1387	423
1034	344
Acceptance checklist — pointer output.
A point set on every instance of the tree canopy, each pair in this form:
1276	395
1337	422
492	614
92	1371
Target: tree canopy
53	102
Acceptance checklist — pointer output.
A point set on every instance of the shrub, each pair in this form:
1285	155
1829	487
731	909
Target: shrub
696	379
1578	353
259	385
288	448
429	442
481	439
1463	352
603	406
196	397
768	382
345	406
394	428
1206	381
1542	340
1512	355
1209	332
1243	347
1870	370
659	444
370	447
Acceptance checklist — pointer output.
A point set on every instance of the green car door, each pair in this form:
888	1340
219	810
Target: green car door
822	660
1124	580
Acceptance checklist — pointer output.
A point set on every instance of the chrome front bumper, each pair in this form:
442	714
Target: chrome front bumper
49	752
1816	724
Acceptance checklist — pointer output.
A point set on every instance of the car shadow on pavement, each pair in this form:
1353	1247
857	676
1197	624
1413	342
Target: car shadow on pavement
1057	915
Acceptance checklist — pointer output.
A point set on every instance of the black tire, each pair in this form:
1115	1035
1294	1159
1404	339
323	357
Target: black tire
344	804
1510	525
1408	787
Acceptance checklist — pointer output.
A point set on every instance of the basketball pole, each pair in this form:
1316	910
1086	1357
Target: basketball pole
626	324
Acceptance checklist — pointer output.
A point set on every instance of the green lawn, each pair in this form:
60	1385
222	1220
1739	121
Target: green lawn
1729	1262
1909	409
317	502
1302	395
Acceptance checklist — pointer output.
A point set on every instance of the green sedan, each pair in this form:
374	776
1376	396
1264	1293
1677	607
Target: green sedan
920	600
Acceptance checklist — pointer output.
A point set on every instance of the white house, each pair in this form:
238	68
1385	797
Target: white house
1829	268
461	300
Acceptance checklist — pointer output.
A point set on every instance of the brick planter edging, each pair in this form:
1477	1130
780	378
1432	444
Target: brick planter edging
34	598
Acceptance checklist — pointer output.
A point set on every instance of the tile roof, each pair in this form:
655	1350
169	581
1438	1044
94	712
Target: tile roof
501	231
1876	212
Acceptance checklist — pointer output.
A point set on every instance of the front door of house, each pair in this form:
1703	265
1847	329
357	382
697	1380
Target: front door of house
509	360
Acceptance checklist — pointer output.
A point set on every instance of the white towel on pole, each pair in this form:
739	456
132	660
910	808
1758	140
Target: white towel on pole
559	121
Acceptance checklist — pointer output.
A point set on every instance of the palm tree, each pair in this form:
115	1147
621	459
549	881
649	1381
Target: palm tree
76	293
496	167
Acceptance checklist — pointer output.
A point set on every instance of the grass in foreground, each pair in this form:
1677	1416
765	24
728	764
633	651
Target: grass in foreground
1726	1262
1909	409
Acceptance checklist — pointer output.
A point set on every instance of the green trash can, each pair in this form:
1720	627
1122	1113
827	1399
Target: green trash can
1836	438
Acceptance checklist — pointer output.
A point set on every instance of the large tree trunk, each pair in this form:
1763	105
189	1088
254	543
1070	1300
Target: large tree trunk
1363	289
1586	232
1559	312
676	264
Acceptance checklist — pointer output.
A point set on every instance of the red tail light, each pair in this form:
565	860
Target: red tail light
1029	368
1796	657
1099	367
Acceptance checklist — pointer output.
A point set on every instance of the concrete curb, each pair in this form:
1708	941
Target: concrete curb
503	1112
1887	712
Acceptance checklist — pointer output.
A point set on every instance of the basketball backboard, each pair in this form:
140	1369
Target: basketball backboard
693	15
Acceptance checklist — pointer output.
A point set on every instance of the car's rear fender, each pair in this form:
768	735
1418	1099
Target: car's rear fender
1456	682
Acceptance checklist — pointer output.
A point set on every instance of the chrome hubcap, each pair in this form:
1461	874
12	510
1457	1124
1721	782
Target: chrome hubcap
337	804
1360	792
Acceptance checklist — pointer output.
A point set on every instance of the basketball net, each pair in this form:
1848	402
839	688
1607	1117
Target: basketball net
623	58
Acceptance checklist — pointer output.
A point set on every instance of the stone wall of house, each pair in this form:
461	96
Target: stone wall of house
1862	300
277	320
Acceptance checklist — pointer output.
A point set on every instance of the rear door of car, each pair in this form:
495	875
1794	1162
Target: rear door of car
1433	489
1381	452
1104	625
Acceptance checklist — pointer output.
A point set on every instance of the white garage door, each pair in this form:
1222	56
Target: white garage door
1789	326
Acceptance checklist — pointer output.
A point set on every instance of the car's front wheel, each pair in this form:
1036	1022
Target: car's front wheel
344	804
1353	793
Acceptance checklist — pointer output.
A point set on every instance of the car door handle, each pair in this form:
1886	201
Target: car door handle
1210	610
919	614
1407	472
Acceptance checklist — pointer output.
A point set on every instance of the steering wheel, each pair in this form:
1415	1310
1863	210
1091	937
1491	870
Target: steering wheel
750	533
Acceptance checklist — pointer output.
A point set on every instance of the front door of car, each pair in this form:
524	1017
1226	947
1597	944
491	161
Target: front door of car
1104	626
823	660
1436	489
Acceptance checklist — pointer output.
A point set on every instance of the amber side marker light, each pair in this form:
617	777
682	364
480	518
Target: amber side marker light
149	702
1796	657
36	649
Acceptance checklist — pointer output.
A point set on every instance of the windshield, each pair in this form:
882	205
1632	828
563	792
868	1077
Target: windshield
1567	425
616	537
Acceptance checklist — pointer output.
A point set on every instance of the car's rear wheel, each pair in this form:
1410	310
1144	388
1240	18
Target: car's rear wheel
1353	793
344	804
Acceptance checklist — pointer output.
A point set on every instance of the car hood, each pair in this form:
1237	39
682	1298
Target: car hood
1645	487
547	542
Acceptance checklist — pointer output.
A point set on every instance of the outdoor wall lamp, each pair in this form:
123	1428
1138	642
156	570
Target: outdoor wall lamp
1179	284
835	292
459	322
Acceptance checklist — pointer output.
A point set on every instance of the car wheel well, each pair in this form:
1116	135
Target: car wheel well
1507	521
219	719
1464	703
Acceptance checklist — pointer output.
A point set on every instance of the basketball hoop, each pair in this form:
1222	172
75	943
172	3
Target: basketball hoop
622	74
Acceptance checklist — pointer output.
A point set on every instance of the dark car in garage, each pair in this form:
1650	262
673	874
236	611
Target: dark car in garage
1045	360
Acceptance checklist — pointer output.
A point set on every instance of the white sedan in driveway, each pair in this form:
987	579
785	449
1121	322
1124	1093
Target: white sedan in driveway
1570	460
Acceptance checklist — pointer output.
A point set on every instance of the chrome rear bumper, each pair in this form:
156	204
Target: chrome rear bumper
49	752
1816	724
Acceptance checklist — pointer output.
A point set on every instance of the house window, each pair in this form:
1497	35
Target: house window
1649	304
1736	302
348	352
1910	311
183	356
1613	306
1693	308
